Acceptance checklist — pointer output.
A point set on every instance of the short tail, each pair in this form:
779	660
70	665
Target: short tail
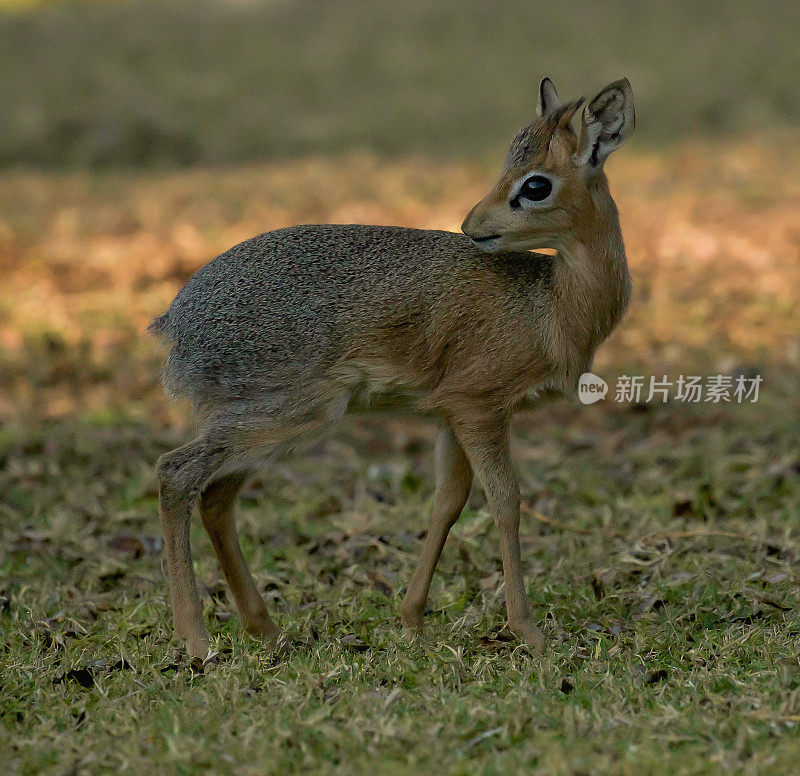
159	327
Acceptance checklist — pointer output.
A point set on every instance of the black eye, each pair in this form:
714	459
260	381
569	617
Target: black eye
535	189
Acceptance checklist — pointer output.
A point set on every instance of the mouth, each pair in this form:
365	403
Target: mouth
488	243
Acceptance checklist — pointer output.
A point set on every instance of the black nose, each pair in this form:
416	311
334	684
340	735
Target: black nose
474	234
470	222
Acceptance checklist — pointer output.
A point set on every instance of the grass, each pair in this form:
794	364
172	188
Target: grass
148	82
662	565
668	655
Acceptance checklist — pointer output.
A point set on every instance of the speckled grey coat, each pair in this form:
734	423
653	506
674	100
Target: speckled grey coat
368	308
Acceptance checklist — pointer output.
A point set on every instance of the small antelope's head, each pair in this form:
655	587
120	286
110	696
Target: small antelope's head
546	186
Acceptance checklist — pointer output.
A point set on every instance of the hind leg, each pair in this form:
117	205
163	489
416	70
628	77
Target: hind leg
216	510
182	474
453	482
237	437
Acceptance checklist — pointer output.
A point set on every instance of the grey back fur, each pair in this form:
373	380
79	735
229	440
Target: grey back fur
344	303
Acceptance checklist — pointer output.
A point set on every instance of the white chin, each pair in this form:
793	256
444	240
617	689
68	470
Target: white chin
489	246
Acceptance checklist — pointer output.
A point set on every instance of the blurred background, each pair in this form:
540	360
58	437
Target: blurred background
182	82
138	139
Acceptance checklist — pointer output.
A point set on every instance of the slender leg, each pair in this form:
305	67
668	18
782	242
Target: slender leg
216	510
485	439
181	474
453	481
187	472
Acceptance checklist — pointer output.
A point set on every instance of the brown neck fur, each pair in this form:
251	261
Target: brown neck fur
592	285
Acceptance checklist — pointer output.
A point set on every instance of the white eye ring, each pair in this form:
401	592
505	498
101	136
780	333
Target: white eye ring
517	200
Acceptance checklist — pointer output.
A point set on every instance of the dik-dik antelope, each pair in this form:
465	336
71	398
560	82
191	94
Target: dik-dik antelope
274	339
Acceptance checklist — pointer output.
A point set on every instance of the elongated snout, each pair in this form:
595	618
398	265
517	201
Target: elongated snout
477	228
471	224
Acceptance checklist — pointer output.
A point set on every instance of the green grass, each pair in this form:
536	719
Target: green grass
192	81
669	654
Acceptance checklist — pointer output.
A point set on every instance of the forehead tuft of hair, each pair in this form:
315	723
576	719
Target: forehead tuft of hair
532	142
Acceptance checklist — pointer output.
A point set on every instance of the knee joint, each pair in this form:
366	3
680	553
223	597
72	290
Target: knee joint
175	477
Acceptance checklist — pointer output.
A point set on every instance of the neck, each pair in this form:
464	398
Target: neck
591	284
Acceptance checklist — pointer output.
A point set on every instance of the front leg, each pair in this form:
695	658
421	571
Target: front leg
484	435
453	481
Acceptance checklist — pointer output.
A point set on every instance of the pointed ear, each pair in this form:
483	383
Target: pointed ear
548	98
608	121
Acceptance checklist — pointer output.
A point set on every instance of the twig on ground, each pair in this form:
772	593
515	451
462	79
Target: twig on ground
669	535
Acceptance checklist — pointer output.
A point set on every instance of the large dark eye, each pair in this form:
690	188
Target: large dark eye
535	189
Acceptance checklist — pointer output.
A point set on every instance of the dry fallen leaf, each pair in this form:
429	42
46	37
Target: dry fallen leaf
353	642
380	582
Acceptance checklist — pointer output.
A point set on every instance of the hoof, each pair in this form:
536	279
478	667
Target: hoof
412	620
264	629
415	634
531	635
197	647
